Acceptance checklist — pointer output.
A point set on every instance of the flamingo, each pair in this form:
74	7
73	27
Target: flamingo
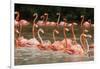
47	23
41	22
72	31
82	20
19	23
33	41
57	45
43	44
20	41
74	47
84	42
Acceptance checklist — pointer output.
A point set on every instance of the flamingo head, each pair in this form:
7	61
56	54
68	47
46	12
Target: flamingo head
69	25
85	31
16	12
46	14
34	14
82	16
64	19
58	13
42	17
90	36
75	23
41	30
56	31
36	25
66	29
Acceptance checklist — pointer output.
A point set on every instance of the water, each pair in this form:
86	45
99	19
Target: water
26	56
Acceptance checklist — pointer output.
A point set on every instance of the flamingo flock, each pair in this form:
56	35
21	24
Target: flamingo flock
67	45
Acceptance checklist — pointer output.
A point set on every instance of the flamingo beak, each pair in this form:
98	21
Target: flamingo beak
82	16
66	29
69	25
16	12
36	26
34	14
86	31
89	36
57	32
45	14
58	13
42	31
75	23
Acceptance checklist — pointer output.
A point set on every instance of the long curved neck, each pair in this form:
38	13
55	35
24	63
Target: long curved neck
87	45
17	17
82	21
46	19
58	18
73	34
40	36
42	17
54	36
20	26
84	42
65	37
33	27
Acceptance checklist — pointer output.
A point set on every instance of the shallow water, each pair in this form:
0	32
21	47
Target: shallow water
26	56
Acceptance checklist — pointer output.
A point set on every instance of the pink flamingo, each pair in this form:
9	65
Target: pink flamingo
43	44
41	22
83	39
18	29
57	45
33	41
20	23
74	47
47	23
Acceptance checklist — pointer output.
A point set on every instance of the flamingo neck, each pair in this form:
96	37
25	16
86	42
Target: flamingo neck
17	17
33	27
54	36
40	36
82	21
87	45
46	19
58	19
73	34
20	30
67	46
83	41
